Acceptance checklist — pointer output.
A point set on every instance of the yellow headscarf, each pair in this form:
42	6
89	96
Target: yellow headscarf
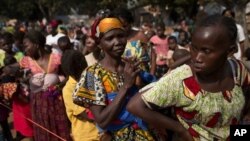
105	25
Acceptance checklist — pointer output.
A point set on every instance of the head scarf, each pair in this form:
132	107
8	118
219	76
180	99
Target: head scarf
104	25
54	23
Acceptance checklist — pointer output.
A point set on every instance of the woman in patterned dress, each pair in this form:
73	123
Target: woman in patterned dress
106	86
46	101
208	95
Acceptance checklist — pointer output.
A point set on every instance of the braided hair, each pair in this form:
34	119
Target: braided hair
219	20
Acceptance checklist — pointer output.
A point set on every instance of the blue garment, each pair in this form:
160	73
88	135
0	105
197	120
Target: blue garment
125	117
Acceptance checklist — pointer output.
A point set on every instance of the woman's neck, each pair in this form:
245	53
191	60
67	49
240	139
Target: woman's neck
221	80
162	36
216	76
110	63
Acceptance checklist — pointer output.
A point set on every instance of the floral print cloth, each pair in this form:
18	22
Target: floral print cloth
99	86
7	90
206	115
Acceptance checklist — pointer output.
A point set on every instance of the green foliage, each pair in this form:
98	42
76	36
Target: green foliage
36	9
16	8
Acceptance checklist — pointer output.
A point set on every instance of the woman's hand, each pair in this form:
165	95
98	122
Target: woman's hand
185	135
130	71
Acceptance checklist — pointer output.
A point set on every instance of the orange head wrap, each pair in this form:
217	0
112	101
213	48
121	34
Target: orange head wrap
105	25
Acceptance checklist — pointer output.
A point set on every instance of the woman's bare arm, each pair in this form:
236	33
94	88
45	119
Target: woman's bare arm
137	107
104	115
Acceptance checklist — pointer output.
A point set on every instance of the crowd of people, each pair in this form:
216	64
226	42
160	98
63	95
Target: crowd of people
114	83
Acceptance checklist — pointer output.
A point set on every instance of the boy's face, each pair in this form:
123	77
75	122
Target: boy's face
182	36
172	44
160	31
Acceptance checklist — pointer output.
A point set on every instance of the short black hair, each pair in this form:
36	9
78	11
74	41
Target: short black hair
160	24
172	38
217	19
180	53
73	63
63	40
229	10
36	37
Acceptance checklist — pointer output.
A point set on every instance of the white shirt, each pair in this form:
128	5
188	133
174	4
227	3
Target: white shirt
240	37
52	41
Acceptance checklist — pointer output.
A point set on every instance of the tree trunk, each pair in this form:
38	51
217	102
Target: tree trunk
43	10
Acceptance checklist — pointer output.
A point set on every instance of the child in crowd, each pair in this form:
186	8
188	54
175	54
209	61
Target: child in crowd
91	52
160	42
184	40
172	43
180	53
81	127
64	43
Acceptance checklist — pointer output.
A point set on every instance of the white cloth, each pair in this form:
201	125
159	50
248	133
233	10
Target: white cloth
52	41
240	37
41	81
90	59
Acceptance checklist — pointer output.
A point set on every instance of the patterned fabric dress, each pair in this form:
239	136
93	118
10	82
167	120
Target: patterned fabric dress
136	49
204	114
47	104
99	86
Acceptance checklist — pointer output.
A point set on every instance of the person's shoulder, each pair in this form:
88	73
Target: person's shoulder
54	55
238	65
71	80
49	36
154	39
240	29
93	68
238	25
247	65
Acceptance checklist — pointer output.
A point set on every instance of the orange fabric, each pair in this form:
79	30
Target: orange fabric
7	90
108	24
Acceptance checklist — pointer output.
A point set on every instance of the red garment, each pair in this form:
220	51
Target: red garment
21	110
